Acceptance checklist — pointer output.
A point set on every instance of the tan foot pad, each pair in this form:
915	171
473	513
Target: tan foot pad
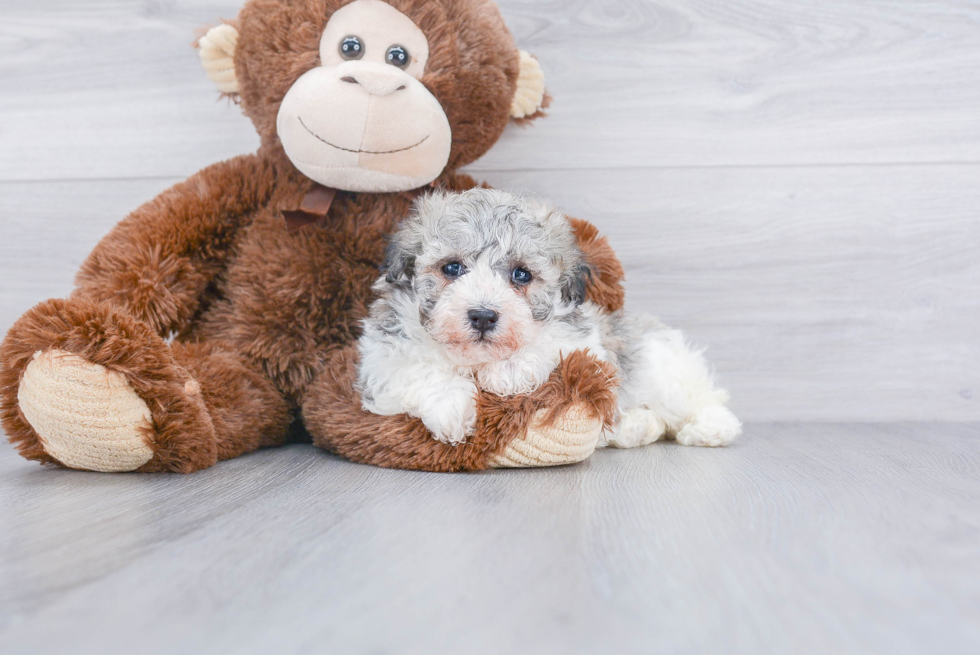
86	416
572	438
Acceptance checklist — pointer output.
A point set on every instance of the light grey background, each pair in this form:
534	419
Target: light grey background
794	183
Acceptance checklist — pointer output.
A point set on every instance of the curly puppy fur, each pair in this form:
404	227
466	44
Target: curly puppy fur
485	291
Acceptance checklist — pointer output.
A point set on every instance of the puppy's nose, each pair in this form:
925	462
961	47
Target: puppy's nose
483	320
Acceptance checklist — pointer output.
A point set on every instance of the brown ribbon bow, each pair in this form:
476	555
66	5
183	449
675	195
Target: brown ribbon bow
314	208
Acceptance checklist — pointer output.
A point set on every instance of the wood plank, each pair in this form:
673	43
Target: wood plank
111	88
799	538
836	293
822	293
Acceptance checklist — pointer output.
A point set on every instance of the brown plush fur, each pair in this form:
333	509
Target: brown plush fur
246	409
258	312
335	418
606	282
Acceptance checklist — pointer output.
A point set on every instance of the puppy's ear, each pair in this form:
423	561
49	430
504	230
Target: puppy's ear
575	284
406	244
399	264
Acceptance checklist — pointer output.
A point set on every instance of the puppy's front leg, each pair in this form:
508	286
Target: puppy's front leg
397	378
445	402
448	409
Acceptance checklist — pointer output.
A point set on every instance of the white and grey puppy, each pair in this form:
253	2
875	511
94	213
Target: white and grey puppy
487	288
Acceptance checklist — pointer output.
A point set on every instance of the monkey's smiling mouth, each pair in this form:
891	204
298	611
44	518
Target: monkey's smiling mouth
364	152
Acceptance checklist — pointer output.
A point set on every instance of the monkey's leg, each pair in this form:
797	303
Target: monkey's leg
560	423
89	387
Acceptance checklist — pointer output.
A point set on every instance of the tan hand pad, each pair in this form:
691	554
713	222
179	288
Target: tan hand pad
572	438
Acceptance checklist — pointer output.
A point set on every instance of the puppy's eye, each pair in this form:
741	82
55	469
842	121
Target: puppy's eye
453	269
351	48
398	56
521	276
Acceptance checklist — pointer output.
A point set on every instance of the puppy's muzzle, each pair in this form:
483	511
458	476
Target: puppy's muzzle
483	320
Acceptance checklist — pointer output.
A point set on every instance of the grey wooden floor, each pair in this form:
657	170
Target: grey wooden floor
800	538
792	183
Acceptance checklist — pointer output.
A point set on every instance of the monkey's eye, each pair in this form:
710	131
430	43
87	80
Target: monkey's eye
453	269
398	56
351	48
521	276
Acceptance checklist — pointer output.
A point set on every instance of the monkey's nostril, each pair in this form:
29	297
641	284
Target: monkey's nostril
483	320
348	79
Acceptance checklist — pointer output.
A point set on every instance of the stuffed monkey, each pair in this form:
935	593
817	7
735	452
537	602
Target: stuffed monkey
223	312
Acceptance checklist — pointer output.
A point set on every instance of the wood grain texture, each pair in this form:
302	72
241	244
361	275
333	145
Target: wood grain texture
799	538
112	88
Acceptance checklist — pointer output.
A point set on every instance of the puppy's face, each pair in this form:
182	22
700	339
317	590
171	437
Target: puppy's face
486	270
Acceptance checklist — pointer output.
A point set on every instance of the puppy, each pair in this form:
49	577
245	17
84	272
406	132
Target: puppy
487	289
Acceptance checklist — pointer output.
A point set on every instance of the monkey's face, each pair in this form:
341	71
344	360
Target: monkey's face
375	95
362	120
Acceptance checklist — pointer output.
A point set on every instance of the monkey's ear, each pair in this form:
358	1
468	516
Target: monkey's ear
217	50
530	99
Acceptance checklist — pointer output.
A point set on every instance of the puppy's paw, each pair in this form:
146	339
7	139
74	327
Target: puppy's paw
714	425
450	413
509	377
636	427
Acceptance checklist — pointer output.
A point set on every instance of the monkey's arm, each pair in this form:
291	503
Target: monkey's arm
157	264
606	282
558	423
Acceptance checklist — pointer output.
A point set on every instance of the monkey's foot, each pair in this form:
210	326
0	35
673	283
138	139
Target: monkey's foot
85	416
86	386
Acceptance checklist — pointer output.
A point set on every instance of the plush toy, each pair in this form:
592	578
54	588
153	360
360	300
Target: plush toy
220	314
